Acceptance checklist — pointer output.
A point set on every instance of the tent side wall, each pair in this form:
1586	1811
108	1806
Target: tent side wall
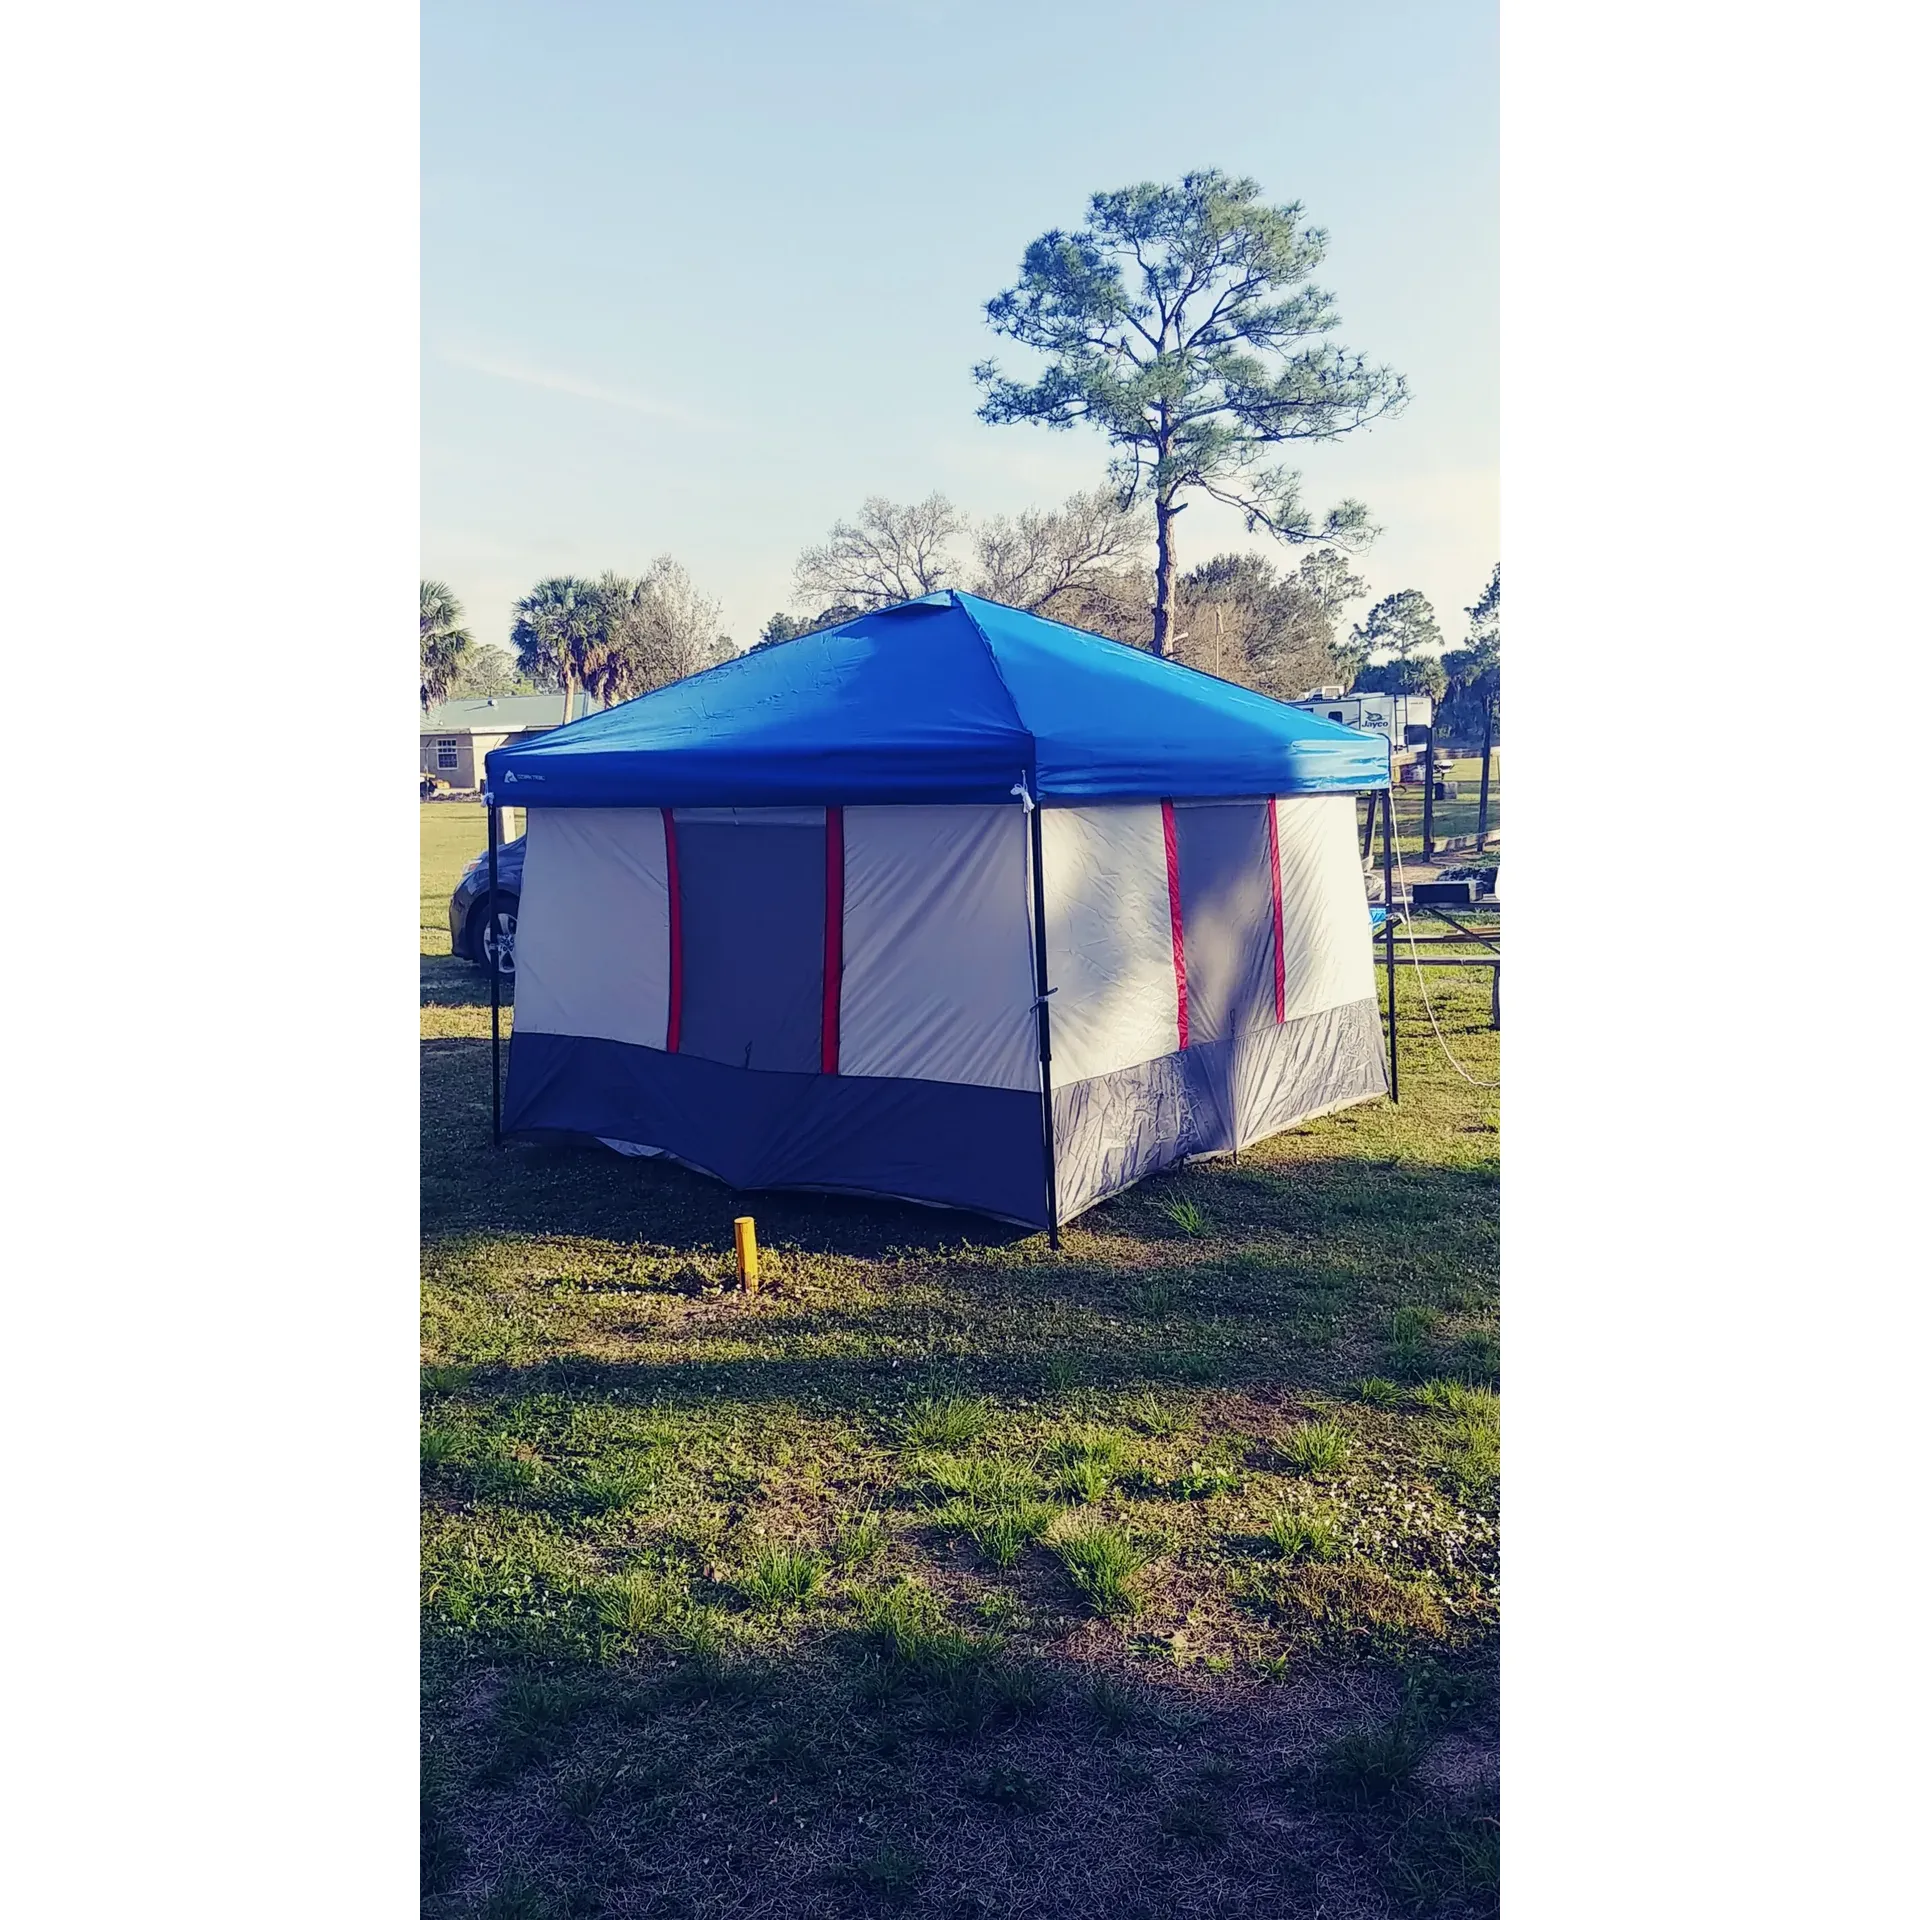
843	998
1214	982
833	999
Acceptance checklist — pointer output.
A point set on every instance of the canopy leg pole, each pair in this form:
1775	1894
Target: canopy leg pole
1393	1004
493	947
1426	802
1043	1026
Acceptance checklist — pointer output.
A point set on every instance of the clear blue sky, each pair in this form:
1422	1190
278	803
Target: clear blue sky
697	278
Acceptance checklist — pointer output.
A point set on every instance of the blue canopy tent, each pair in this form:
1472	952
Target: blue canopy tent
950	903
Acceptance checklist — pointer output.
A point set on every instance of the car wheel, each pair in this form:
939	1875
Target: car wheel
499	924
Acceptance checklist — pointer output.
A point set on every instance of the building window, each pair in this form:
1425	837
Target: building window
446	754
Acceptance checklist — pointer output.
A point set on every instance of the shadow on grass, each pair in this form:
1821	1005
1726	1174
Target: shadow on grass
846	1775
447	982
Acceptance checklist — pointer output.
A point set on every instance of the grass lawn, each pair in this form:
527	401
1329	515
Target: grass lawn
1456	816
952	1576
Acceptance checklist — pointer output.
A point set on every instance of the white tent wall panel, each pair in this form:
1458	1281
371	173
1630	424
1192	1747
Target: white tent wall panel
591	947
1323	904
937	969
1109	939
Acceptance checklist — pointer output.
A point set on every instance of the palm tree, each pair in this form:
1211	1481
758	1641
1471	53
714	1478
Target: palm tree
444	640
622	669
559	633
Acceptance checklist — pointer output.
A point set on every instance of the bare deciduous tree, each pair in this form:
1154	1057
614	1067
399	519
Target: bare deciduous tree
1038	559
658	629
1086	563
889	554
1277	633
1114	601
1073	562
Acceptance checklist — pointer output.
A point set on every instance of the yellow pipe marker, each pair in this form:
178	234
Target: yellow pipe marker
746	1253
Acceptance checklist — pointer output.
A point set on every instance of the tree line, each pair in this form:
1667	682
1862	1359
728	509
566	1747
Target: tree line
1086	562
612	636
1183	324
1089	564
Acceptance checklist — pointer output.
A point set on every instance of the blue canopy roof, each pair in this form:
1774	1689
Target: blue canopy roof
948	698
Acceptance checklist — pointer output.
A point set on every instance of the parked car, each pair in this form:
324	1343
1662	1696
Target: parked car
474	928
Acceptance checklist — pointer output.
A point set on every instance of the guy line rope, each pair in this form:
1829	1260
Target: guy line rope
1413	947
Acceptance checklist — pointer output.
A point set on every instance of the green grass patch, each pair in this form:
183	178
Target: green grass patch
1087	1460
858	1539
1464	1455
1187	1217
1343	1604
1302	1536
1470	1403
1365	1768
1410	1338
1315	1447
1104	1563
777	1578
946	1421
1003	1533
987	1480
1156	1417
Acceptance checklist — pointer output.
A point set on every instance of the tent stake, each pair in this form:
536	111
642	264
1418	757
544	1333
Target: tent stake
493	969
1393	1008
1044	1025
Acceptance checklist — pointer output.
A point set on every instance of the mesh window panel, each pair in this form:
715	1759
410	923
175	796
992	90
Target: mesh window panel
1226	913
752	940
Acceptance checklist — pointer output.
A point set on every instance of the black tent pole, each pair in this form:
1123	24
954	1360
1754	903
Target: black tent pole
1426	803
1393	1007
1044	1027
493	946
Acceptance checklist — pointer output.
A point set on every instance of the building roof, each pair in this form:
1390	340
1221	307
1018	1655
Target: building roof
945	699
509	713
1350	696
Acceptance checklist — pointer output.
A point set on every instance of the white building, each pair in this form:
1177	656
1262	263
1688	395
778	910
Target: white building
457	735
1388	713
